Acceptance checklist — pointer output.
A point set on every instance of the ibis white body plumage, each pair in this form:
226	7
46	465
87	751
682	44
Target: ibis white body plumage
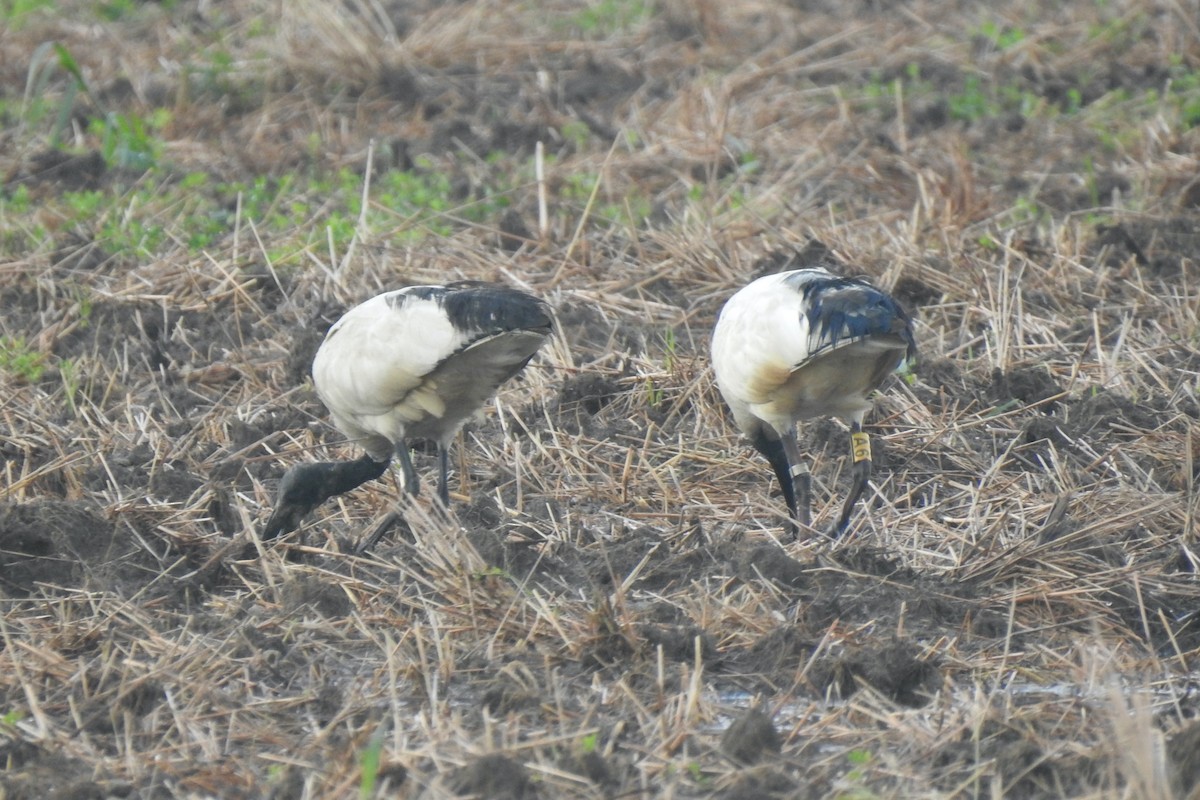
414	363
400	366
803	344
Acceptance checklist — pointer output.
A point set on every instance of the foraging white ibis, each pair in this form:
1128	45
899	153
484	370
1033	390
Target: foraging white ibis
802	344
413	363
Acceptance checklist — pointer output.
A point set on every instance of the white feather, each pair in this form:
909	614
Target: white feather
770	367
397	366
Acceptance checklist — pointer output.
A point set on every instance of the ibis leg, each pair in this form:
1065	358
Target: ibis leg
860	474
411	484
801	480
443	490
793	480
408	474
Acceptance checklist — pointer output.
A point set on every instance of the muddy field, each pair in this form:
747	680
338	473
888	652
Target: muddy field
193	192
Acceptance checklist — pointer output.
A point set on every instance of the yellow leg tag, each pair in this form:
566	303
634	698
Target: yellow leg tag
860	446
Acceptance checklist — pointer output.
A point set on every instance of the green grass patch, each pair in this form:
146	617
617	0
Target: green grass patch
608	17
1001	36
19	360
15	13
631	210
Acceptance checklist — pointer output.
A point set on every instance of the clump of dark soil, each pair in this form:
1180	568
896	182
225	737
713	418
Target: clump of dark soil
895	670
49	546
494	775
1183	748
1029	386
32	772
751	738
768	783
1025	762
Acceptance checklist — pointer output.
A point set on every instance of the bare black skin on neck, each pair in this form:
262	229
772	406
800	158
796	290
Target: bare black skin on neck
306	486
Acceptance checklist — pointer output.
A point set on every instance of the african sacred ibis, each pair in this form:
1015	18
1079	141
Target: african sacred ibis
411	363
800	344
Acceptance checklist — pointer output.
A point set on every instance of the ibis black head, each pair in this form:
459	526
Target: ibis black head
306	486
